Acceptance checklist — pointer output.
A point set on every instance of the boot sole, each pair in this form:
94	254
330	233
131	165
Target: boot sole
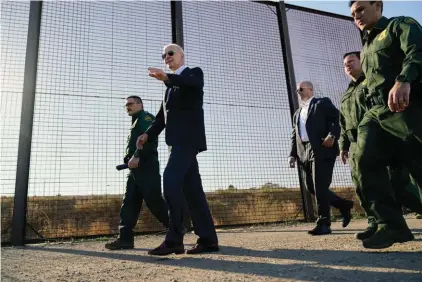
203	252
166	254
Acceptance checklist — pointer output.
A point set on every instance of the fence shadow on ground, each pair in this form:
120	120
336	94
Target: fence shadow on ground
339	263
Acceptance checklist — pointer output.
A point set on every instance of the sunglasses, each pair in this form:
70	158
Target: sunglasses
302	88
170	53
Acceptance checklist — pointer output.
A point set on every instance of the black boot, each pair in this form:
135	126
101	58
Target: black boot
320	229
368	232
346	213
386	237
119	244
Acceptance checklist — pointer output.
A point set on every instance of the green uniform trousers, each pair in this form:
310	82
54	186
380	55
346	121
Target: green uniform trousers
407	192
143	184
381	136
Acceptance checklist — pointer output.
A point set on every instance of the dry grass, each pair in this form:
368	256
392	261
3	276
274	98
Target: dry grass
77	216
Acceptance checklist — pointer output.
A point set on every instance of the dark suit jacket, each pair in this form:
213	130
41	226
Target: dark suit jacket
183	102
323	119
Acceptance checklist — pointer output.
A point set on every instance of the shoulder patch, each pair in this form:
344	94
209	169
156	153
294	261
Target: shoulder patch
148	118
382	35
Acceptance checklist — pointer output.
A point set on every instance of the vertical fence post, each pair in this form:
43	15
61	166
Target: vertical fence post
308	209
177	23
177	37
26	123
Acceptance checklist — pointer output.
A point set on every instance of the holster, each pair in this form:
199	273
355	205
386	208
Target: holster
352	134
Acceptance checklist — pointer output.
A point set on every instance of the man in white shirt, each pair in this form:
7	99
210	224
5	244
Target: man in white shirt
316	129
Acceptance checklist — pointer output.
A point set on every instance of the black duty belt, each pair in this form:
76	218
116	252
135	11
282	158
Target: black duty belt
374	101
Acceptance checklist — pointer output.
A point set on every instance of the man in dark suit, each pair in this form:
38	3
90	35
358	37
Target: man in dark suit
316	129
182	116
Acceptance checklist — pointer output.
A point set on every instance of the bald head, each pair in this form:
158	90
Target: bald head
305	90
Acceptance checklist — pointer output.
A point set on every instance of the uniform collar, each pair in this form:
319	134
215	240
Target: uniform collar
358	81
381	24
137	115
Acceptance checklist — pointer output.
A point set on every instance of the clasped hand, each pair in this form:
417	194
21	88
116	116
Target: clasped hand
157	74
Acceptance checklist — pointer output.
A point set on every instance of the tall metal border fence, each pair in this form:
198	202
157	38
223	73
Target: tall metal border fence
67	68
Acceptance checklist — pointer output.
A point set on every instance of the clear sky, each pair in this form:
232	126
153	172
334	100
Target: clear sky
391	8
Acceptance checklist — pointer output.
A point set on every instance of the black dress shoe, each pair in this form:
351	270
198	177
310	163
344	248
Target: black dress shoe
201	248
168	248
346	213
320	230
119	244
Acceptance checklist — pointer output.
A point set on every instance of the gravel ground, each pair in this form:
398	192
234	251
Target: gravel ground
259	253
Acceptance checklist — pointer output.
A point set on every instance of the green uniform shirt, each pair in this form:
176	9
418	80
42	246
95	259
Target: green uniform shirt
140	123
352	110
392	52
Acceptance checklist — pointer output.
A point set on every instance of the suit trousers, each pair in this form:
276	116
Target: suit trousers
143	184
182	184
317	173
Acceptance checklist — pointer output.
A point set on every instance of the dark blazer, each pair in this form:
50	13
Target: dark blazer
183	102
323	120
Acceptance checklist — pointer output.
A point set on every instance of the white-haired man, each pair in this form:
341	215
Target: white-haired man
182	116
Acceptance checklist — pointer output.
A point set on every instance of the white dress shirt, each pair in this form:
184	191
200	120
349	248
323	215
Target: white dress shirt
303	116
179	70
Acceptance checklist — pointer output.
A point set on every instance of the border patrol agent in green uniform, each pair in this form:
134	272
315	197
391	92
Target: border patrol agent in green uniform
392	63
352	111
144	179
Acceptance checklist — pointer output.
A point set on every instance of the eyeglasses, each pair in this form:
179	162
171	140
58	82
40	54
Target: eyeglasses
170	53
302	88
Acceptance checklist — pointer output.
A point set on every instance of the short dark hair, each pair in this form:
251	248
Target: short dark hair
356	53
136	98
371	2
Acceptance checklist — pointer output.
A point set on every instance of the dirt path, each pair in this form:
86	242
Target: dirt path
262	253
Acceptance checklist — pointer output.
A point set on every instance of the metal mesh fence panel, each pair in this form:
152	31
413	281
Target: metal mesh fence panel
14	30
318	45
247	116
92	55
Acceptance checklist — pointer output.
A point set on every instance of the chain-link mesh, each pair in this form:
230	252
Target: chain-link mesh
92	56
14	30
247	116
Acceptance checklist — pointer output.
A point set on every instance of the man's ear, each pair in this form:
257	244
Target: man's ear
378	6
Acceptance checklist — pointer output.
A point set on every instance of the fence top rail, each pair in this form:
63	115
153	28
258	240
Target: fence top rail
309	10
